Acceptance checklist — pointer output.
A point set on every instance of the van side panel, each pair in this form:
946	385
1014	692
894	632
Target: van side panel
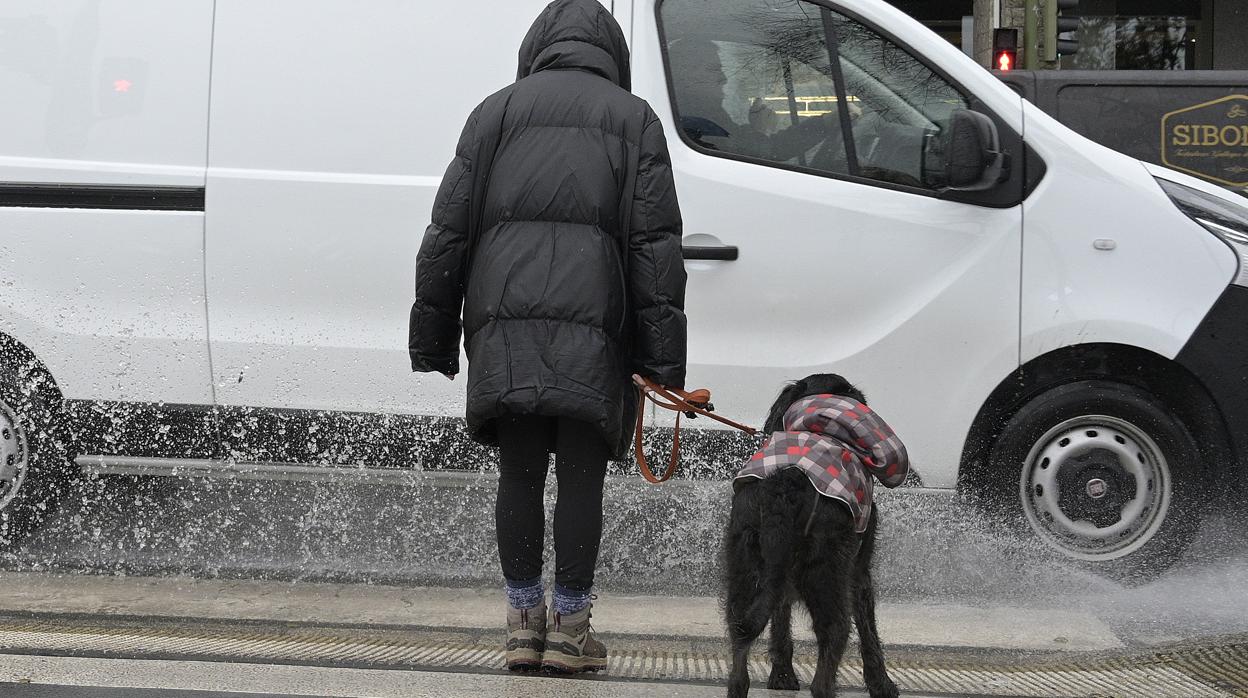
331	128
108	293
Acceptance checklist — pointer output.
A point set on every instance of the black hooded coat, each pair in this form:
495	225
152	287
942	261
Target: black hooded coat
561	303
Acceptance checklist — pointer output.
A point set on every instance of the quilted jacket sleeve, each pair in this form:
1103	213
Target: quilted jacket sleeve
656	268
434	325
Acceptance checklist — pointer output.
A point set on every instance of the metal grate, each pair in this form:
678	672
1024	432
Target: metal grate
1213	672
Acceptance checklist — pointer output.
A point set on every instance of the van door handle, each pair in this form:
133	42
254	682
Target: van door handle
722	253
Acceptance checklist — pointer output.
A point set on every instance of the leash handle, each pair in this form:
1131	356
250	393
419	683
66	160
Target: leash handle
682	402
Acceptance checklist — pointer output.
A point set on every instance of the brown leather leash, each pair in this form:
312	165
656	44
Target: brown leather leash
682	402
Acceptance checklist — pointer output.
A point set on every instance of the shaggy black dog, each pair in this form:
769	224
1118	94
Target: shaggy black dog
786	543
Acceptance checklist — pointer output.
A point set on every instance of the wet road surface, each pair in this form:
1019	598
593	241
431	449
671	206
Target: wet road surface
932	549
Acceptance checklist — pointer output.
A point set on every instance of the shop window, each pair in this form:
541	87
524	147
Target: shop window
1140	35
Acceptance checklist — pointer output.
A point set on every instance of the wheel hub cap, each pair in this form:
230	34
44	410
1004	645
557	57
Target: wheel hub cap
1095	487
12	455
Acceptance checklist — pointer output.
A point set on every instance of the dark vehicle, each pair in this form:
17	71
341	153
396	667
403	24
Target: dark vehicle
1193	121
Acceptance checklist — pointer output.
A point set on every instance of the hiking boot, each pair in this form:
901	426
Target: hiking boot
526	637
571	646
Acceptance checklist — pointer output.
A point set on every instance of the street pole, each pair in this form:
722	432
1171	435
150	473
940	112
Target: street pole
985	12
1031	35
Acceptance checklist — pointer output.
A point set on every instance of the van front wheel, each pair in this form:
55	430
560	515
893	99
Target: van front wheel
1104	474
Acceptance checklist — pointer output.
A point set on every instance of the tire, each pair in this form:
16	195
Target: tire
35	460
1102	473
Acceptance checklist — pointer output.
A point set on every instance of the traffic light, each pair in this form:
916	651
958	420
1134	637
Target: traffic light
1059	19
1004	49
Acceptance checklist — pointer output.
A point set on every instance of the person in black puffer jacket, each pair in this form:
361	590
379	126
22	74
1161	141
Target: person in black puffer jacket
558	231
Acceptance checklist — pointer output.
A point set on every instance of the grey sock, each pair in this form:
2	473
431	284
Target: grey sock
568	601
525	595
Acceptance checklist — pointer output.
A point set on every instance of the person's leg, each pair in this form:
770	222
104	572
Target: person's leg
580	466
520	521
519	515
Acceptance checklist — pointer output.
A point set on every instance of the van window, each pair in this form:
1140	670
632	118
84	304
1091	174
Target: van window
757	79
902	106
752	78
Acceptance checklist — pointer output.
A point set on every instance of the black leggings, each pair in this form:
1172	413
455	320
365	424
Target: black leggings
581	453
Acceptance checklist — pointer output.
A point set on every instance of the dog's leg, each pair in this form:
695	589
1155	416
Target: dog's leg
825	589
742	563
776	541
783	677
879	685
739	679
743	630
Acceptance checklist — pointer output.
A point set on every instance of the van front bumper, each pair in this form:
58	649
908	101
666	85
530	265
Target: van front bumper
1217	355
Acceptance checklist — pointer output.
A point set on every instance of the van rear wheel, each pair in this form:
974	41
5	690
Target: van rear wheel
1104	474
35	468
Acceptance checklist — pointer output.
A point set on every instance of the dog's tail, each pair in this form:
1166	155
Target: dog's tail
778	512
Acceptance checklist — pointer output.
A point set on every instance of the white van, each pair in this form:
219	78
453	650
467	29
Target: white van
210	209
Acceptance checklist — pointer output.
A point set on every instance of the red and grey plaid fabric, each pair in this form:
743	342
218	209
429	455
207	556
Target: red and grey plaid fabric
841	444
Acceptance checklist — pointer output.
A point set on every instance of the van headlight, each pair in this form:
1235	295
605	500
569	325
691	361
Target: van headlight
1222	218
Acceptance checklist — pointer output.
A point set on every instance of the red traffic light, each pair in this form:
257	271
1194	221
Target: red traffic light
1004	49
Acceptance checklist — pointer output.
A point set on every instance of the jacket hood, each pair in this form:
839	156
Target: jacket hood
857	428
841	445
576	34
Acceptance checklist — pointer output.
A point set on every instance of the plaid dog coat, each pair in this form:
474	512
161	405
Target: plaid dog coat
841	444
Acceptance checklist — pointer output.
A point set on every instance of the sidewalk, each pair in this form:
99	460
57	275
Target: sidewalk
103	678
95	632
901	624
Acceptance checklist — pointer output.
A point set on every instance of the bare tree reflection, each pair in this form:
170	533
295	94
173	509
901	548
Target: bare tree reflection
1153	44
1133	43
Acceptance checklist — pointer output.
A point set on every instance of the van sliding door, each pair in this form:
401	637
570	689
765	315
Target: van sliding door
103	142
331	128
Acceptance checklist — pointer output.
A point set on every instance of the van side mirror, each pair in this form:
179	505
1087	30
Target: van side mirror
973	160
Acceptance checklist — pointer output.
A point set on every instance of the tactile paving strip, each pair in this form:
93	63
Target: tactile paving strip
1213	672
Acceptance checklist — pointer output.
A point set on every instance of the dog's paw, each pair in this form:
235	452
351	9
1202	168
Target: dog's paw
884	689
782	679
